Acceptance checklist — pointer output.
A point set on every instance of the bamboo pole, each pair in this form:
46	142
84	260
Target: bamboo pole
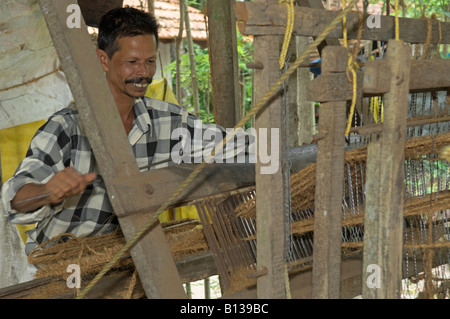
191	60
178	55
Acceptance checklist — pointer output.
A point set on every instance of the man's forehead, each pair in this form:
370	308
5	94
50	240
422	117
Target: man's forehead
142	38
135	43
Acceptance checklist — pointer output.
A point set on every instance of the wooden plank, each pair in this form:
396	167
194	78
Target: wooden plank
301	282
201	265
149	190
374	80
93	10
428	74
318	4
259	19
271	203
351	284
191	268
328	193
302	120
305	121
113	153
216	178
333	87
224	62
385	184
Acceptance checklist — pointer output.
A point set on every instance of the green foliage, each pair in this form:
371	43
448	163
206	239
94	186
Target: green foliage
418	8
203	80
428	7
415	8
245	54
202	67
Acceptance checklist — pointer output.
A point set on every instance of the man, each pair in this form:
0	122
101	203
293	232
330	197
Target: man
60	164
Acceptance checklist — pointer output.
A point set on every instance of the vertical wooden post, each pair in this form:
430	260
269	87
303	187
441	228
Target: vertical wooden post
224	62
383	224
301	112
100	117
328	194
270	206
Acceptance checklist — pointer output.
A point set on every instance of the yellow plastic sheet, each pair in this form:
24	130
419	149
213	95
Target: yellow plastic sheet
14	144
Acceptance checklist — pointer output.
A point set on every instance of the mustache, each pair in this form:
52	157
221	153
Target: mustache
139	80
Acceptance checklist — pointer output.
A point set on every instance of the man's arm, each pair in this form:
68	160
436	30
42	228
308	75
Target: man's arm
64	184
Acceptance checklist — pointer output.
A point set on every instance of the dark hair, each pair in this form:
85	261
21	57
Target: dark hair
124	22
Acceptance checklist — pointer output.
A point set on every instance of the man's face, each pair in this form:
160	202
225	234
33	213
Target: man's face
132	67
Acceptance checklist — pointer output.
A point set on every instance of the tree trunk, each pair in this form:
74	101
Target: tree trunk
223	58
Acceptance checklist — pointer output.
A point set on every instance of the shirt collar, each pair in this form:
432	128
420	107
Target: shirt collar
142	118
141	123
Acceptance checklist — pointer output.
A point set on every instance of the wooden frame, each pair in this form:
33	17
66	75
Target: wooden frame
334	89
156	267
329	189
270	210
374	80
264	19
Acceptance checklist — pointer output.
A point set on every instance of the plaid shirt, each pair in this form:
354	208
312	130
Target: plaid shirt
60	143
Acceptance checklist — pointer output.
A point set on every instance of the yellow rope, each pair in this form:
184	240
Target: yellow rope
344	26
350	68
289	29
255	109
352	107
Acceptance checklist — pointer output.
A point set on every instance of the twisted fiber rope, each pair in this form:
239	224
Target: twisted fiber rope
351	67
273	90
289	29
303	181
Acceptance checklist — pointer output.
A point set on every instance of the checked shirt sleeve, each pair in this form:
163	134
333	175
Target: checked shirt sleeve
48	153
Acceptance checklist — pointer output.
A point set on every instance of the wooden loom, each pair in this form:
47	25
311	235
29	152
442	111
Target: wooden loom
126	185
390	77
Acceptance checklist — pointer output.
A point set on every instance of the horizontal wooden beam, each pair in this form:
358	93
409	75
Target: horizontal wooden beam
94	10
425	75
147	191
263	19
351	281
332	87
191	268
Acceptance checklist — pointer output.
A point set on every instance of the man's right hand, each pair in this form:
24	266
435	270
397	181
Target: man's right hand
65	183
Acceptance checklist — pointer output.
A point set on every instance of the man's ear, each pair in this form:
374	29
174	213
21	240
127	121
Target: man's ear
104	59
